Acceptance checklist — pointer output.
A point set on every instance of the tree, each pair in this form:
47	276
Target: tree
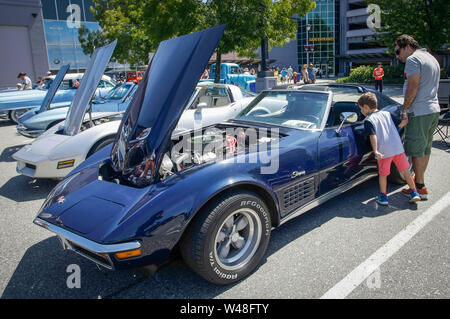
139	25
425	20
248	21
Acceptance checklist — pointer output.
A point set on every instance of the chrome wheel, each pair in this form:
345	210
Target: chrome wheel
16	114
238	239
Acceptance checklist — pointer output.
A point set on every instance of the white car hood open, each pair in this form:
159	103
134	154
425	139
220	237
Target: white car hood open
91	78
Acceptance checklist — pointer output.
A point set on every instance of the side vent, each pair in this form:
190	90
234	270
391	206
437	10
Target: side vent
298	194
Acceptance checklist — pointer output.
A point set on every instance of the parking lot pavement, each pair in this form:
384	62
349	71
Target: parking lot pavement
306	257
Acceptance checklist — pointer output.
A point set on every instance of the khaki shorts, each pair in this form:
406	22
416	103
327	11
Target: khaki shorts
419	134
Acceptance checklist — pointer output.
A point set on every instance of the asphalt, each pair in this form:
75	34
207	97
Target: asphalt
306	256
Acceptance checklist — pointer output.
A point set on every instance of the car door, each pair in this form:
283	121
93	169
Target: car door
344	154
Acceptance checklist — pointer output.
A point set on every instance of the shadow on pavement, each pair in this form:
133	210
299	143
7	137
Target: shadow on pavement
42	274
30	189
346	205
42	271
6	122
6	155
440	144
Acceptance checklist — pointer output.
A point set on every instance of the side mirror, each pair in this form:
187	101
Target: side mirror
347	117
201	106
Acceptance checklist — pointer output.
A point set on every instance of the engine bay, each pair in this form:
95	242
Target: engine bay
212	144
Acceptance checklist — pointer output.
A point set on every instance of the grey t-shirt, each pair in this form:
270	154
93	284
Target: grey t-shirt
423	63
388	140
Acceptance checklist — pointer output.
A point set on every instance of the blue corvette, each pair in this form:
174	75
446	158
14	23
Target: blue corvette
214	193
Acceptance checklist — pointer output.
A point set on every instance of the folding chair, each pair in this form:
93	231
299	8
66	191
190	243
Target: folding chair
443	128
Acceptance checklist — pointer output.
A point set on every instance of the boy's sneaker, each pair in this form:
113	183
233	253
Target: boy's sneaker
414	196
382	199
423	192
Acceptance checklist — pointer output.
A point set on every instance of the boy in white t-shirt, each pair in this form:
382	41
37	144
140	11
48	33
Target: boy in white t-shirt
387	146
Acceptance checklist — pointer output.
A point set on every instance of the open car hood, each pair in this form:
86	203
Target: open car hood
53	88
157	105
91	78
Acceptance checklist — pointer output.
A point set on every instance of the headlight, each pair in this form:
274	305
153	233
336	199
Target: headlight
59	188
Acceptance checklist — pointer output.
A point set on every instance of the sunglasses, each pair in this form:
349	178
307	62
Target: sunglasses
397	52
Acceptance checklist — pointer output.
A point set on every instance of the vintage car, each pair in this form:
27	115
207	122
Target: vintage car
14	104
210	103
214	193
47	155
35	122
231	73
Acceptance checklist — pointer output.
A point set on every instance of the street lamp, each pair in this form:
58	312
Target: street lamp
308	27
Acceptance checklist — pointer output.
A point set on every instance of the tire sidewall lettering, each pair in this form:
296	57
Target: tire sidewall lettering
214	266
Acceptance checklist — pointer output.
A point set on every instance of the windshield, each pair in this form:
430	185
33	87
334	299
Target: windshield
294	109
246	93
65	84
118	92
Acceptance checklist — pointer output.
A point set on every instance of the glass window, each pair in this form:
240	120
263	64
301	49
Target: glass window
118	92
49	9
62	9
80	4
302	110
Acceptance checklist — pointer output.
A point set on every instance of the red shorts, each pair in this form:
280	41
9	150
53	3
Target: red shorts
400	161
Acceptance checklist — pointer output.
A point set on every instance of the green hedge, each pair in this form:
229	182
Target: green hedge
392	74
364	74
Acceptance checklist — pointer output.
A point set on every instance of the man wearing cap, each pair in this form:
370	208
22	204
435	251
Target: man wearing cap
26	81
378	74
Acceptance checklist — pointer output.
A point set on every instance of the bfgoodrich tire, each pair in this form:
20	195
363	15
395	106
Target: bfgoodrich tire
227	239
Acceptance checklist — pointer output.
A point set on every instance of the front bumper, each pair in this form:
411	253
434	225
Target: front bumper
24	131
42	168
98	253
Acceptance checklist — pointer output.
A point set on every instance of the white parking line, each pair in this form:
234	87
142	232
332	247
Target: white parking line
343	288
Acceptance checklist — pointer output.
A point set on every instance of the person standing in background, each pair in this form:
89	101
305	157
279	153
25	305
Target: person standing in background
305	74
290	74
283	75
312	73
378	74
25	81
421	108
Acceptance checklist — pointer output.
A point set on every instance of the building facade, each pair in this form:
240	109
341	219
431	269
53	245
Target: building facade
335	36
358	41
61	20
23	41
318	37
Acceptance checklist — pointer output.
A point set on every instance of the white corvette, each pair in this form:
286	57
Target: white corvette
54	154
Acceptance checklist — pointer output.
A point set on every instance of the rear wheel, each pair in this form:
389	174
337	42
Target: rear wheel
226	240
15	114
